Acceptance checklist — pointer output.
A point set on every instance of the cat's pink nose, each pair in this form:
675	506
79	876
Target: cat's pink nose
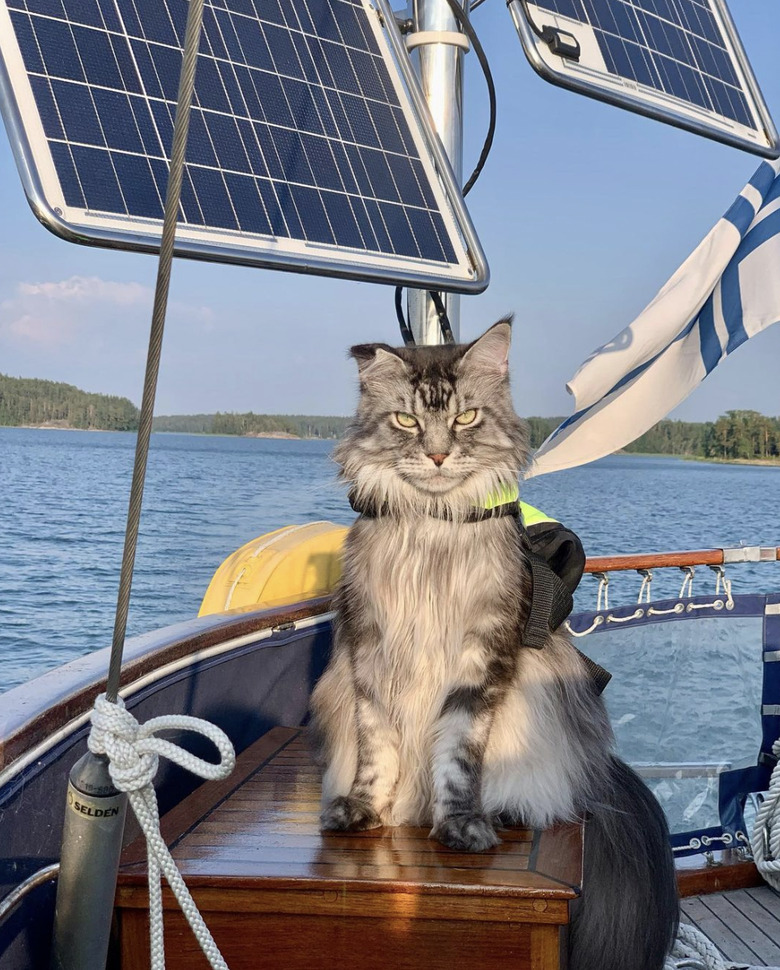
438	460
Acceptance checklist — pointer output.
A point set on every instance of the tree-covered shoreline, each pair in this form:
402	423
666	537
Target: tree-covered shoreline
254	425
735	436
28	402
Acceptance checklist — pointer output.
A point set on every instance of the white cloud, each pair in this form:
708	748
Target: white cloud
86	289
54	314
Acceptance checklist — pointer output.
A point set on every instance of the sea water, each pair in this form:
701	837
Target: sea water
63	506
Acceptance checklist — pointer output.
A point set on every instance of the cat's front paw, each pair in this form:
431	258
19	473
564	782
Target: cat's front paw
348	814
467	833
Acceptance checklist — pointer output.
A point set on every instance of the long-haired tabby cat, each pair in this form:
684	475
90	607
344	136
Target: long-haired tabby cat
431	710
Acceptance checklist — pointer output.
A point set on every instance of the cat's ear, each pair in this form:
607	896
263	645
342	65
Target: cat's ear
377	361
490	352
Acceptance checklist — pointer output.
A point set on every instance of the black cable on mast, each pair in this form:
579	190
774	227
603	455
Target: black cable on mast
462	17
403	323
444	321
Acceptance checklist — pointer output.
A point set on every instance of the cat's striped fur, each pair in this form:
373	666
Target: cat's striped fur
431	711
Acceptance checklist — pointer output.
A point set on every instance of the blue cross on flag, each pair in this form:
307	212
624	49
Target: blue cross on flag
727	291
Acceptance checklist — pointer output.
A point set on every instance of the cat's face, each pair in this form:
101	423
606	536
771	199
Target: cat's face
434	425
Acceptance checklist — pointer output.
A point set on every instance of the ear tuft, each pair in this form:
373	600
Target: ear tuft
376	359
490	352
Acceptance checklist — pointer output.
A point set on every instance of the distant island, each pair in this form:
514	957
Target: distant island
30	403
254	425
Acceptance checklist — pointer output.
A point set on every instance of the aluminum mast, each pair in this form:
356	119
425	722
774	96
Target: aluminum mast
440	67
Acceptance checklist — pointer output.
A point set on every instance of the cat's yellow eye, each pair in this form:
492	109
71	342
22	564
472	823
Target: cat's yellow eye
466	417
405	420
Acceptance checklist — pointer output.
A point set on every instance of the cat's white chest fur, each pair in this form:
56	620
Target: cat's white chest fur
428	590
427	587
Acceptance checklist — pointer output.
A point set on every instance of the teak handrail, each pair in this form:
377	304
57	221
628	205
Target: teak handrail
701	557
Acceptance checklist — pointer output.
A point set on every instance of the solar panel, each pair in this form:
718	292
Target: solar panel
680	61
309	145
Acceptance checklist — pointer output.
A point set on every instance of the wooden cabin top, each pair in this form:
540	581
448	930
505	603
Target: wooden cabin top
259	830
276	891
252	853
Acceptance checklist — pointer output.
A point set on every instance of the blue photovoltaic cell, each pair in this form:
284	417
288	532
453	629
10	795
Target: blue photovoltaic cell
674	46
296	128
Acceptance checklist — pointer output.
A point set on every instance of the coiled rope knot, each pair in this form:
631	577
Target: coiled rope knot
692	949
765	838
116	733
134	753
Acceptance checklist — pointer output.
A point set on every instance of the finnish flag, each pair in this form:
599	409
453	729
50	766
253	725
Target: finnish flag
727	291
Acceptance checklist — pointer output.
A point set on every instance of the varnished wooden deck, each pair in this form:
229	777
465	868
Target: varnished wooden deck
744	924
276	892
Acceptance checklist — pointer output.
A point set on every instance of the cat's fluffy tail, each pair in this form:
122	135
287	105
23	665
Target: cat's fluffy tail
629	913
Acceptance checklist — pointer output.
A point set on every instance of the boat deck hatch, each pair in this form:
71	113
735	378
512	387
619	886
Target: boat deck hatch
276	892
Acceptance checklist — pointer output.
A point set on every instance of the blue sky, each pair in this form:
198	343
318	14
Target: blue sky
583	210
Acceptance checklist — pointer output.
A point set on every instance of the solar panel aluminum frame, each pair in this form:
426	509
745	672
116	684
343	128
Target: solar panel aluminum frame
470	274
765	143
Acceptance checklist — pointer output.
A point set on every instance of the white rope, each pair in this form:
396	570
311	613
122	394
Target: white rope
636	615
693	949
765	838
689	572
720	578
603	592
647	582
677	608
714	605
597	621
133	753
727	588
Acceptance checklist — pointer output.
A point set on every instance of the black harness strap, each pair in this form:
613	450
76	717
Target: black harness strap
551	604
543	597
598	674
372	510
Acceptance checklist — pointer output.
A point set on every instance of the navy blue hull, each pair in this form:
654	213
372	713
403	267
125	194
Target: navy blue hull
263	681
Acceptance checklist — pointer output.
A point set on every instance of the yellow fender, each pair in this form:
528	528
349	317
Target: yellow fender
296	563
